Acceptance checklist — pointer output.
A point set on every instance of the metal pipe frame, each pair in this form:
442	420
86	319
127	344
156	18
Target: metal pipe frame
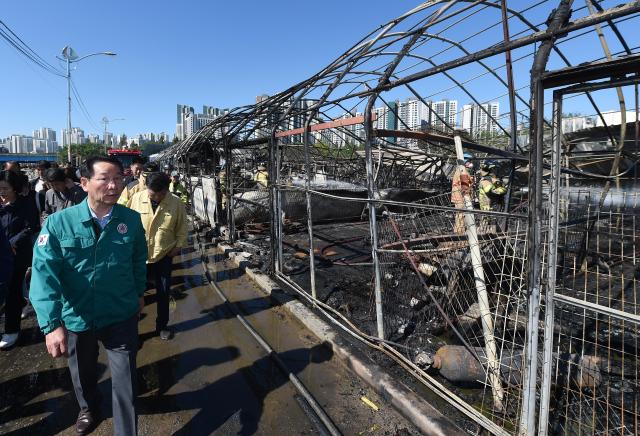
552	252
534	239
393	58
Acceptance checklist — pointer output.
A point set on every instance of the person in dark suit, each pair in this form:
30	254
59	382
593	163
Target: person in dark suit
39	184
21	222
6	264
63	193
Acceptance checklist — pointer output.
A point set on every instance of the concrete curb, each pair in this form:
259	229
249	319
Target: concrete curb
417	410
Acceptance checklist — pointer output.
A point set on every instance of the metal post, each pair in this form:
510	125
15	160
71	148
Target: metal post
512	111
557	21
307	170
104	136
373	228
69	109
228	169
278	207
273	230
552	251
493	363
534	240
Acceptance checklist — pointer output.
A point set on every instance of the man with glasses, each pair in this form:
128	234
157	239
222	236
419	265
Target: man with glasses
87	285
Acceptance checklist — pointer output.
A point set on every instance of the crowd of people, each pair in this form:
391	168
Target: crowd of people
82	246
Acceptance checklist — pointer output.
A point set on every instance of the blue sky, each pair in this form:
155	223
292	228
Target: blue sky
220	53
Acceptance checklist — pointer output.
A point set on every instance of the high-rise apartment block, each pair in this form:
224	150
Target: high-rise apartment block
20	144
76	137
188	121
44	140
443	115
478	119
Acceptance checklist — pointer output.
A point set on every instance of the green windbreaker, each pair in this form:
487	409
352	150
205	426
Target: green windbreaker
86	282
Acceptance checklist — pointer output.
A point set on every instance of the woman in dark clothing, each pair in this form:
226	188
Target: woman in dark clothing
6	264
21	222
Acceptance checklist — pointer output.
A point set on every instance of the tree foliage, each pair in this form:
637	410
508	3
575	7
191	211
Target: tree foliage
345	151
82	151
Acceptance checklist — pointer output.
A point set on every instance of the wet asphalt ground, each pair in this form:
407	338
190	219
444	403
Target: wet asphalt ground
211	378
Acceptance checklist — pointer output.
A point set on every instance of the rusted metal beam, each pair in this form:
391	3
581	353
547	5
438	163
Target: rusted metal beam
324	126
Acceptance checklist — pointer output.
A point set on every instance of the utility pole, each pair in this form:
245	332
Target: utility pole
67	55
70	56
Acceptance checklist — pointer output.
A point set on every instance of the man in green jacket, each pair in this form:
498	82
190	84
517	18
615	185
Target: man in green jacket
87	285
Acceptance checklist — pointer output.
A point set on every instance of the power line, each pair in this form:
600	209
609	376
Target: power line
16	42
83	107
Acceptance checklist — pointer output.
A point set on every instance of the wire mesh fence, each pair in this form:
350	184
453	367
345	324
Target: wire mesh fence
432	302
595	364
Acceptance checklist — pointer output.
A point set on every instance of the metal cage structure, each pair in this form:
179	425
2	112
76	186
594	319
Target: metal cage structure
358	189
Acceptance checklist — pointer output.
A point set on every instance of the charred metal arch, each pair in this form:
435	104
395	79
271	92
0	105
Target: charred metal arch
616	71
557	21
243	123
371	188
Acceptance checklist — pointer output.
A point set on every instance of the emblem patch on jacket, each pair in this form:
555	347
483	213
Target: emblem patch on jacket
122	228
42	240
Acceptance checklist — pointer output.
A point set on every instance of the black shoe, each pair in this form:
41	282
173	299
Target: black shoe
165	334
84	423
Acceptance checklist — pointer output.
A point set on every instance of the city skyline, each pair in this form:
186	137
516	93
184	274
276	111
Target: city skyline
158	63
47	140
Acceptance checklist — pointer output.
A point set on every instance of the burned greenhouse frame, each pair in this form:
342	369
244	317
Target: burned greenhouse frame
368	214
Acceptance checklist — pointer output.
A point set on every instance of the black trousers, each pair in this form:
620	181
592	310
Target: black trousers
15	299
160	273
121	342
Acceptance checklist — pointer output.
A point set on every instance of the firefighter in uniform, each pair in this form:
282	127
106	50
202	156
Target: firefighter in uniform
261	177
461	185
177	188
489	187
222	181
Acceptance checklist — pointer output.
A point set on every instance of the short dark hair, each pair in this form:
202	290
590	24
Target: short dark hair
13	163
55	175
70	173
15	180
151	167
87	170
158	182
138	160
44	164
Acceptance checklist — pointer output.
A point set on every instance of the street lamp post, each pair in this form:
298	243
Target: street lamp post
70	55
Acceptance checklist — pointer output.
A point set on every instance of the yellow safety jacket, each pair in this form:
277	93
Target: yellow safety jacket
262	178
131	189
166	228
487	186
179	191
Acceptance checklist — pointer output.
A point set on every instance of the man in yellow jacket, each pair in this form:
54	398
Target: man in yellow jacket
165	224
137	185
